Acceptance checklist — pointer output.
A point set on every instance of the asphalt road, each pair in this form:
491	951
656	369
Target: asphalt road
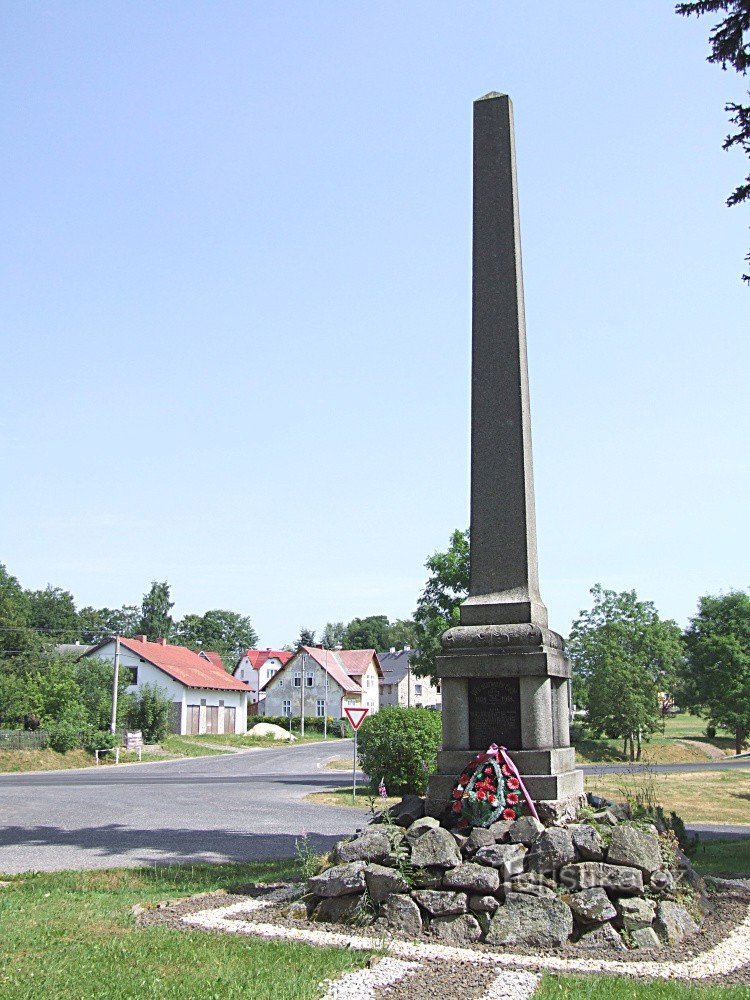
244	807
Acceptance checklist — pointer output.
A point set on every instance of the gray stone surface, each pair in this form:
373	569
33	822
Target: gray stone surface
479	837
470	877
591	906
604	936
368	847
456	930
662	881
588	842
645	938
483	904
435	848
339	909
635	849
674	923
507	858
547	923
441	904
551	850
410	807
500	829
341	880
524	830
528	888
636	912
400	913
616	879
381	882
420	826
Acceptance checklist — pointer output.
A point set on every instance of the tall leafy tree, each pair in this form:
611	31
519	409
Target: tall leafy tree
224	632
438	606
623	654
95	624
333	634
306	637
156	620
368	633
52	611
16	634
717	670
403	632
730	46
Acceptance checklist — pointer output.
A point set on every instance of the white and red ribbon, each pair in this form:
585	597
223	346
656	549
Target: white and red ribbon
496	751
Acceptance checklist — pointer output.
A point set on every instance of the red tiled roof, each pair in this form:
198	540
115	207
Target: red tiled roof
257	657
330	660
182	664
213	657
356	661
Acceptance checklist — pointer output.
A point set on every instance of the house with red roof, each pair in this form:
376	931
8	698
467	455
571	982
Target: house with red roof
322	682
205	698
257	666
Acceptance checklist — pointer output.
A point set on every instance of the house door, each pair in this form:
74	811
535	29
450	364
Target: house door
230	715
193	719
212	719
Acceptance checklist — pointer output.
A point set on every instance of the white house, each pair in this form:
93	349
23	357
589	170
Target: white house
257	666
322	682
400	686
205	698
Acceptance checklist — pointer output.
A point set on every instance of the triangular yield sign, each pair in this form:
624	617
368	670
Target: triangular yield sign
356	716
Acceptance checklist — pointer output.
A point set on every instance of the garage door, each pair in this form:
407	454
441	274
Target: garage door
212	719
230	715
193	719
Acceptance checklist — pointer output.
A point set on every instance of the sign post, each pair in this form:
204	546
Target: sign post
356	717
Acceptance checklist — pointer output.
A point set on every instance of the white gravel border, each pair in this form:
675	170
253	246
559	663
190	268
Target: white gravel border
725	957
361	985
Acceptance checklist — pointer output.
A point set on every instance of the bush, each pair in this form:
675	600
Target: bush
64	736
400	745
150	713
99	739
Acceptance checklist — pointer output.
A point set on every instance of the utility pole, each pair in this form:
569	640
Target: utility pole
115	685
302	698
325	699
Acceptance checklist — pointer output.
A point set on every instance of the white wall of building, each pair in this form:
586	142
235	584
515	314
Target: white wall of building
303	682
246	672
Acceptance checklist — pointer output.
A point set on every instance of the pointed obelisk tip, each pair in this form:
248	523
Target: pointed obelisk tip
491	96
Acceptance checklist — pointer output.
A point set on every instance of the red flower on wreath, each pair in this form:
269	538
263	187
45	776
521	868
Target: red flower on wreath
456	807
509	813
464	779
458	792
513	783
481	795
513	798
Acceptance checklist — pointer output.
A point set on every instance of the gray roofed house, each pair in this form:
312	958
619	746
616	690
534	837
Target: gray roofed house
400	686
73	647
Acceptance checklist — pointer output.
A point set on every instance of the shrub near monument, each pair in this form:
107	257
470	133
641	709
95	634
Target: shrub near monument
399	746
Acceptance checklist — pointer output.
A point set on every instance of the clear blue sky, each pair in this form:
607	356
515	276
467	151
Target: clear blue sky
236	300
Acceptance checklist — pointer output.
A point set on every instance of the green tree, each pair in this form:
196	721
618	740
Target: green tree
224	632
306	637
16	634
96	624
368	633
401	633
149	712
717	669
438	606
156	620
333	635
623	654
52	611
730	46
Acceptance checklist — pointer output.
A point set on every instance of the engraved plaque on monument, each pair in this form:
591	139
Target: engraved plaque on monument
495	712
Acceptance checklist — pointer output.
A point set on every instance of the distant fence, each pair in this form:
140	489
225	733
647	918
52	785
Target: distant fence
21	739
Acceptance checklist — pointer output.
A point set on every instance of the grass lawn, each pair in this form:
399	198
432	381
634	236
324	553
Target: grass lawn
666	746
723	857
702	796
343	797
16	761
610	988
71	934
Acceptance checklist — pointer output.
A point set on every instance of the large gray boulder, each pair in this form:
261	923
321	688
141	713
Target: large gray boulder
381	882
483	904
500	829
435	849
587	842
420	827
400	913
551	850
636	912
507	858
410	807
673	922
479	837
341	880
339	909
546	923
368	847
441	904
634	849
592	906
618	880
604	936
458	930
645	938
525	830
472	878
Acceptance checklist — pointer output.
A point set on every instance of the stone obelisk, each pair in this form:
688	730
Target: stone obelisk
504	675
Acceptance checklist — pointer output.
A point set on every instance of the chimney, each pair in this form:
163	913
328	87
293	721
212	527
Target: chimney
393	649
141	638
162	642
407	649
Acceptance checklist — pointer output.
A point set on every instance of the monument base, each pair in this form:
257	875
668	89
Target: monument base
560	792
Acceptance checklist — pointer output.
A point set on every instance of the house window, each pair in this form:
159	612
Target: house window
131	674
320	708
297	679
309	678
418	689
351	702
287	708
281	682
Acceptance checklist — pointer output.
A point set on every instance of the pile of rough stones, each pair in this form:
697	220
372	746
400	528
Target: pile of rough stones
606	882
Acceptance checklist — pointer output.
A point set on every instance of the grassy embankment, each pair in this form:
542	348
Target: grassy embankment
667	746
